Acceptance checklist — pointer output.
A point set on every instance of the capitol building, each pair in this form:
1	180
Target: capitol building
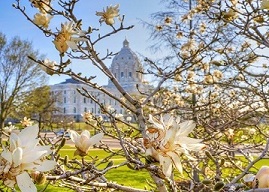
125	66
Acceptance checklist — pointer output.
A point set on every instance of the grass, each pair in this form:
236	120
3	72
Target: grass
122	175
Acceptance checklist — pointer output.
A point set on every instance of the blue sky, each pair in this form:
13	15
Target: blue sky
13	23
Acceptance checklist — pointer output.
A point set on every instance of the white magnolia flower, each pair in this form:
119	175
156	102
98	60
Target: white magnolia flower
108	15
230	15
24	154
252	131
119	116
42	19
265	4
9	128
84	141
69	36
262	178
42	5
249	178
26	122
49	67
168	139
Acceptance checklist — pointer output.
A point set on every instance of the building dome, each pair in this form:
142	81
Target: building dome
126	67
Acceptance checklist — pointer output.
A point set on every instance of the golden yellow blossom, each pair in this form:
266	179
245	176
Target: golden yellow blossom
159	27
42	19
230	15
168	20
26	122
265	4
60	43
108	15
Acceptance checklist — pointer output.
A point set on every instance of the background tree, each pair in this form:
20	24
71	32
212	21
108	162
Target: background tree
39	105
18	74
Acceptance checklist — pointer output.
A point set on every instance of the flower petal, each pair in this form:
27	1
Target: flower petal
46	165
155	122
72	45
86	133
185	128
14	141
17	156
32	156
166	165
96	138
74	135
7	155
28	135
25	183
176	161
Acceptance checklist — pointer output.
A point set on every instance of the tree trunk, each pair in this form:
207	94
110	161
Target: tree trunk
2	125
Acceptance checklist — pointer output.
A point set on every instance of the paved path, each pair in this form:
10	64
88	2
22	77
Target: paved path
113	143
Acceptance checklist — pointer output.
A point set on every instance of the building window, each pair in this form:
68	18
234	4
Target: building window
84	100
110	102
85	109
74	92
98	110
92	110
64	91
64	110
75	99
130	74
91	101
121	74
74	110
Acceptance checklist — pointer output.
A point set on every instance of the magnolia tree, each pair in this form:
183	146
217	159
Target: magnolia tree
201	128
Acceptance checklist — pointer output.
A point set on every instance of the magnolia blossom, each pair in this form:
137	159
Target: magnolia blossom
119	116
9	128
89	118
217	74
42	5
252	131
262	178
24	154
230	133
168	20
49	67
108	15
230	15
265	4
42	19
84	141
202	27
69	36
190	45
248	179
26	122
208	79
167	139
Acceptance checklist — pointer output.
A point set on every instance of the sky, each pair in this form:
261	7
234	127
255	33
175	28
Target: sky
13	23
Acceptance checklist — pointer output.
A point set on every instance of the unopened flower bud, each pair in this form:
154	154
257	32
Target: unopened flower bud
38	177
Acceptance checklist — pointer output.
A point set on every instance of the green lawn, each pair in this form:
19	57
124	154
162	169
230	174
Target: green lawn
123	175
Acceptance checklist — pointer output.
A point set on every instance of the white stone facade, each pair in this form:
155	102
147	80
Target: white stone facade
125	67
